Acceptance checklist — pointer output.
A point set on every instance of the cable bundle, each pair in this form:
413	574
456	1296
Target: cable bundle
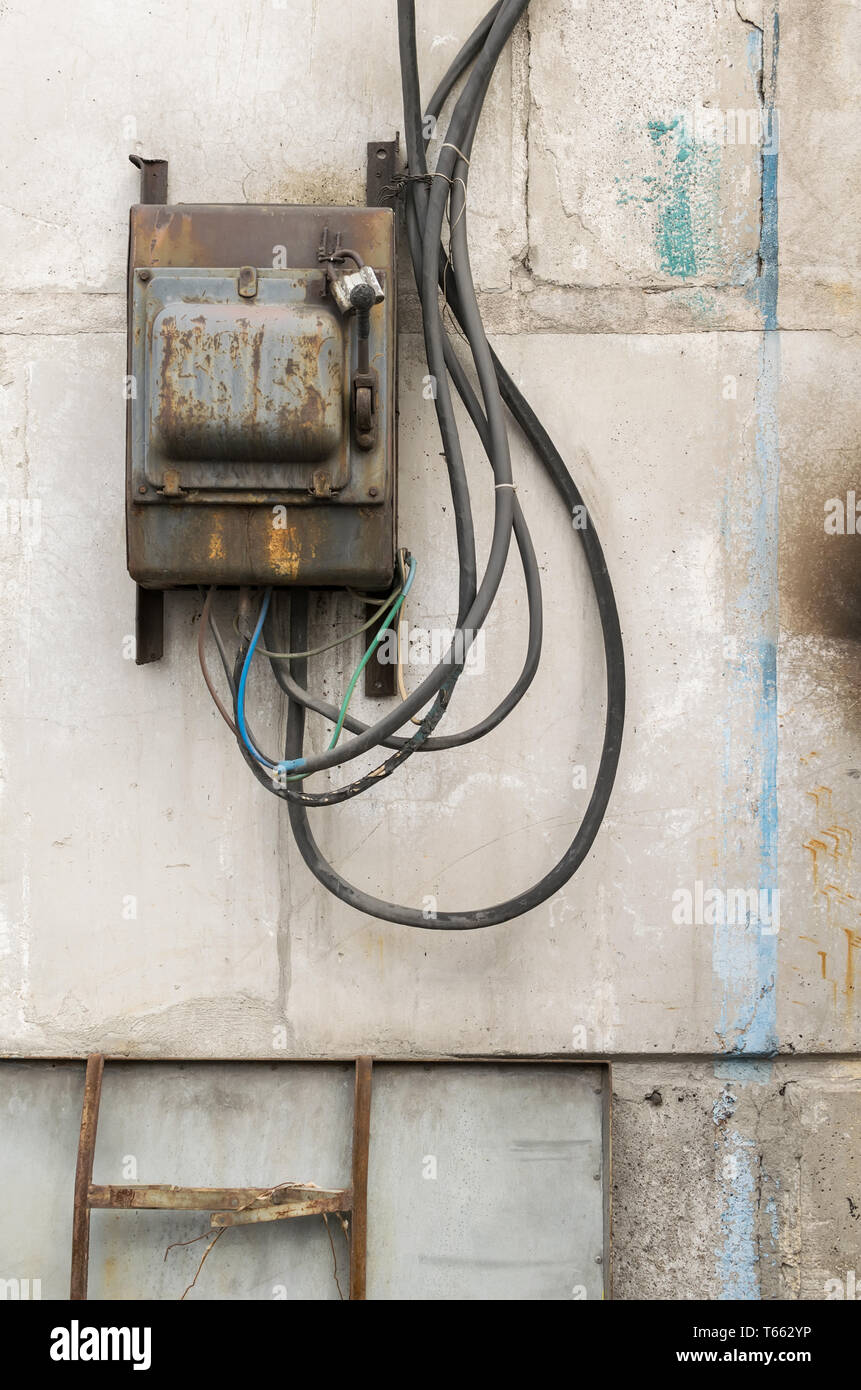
430	198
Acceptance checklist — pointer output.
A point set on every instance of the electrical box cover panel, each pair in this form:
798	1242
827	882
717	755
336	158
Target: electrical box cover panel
261	449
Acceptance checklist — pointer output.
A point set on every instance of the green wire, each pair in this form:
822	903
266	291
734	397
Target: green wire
327	647
392	613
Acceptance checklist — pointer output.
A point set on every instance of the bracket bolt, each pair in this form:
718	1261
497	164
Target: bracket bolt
144	274
372	492
142	488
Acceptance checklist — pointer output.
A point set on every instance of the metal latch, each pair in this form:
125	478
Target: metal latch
363	280
171	483
248	281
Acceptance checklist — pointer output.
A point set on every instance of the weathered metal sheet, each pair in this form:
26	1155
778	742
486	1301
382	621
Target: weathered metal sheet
245	383
488	1181
243	467
315	1204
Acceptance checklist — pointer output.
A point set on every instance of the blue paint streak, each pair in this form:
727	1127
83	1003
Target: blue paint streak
743	1072
744	958
737	1257
768	242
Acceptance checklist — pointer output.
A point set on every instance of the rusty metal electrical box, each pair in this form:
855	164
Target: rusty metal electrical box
261	439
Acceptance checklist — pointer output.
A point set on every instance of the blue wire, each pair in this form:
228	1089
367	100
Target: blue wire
243	680
283	768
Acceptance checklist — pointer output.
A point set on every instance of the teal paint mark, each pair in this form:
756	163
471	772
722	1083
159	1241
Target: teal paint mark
657	129
705	303
684	190
744	957
688	198
675	242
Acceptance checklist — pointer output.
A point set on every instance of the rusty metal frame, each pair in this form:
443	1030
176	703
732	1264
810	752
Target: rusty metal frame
84	1176
228	1206
361	1153
235	1206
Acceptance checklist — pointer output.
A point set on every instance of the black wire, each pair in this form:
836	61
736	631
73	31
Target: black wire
462	61
267	779
443	678
534	604
425	213
495	438
460	133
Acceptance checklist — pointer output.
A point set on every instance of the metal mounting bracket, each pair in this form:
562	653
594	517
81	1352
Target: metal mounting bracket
379	192
149	603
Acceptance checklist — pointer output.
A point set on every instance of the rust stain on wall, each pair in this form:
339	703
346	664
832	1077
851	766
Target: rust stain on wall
837	907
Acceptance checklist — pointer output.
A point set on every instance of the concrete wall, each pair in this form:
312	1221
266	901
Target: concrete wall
663	219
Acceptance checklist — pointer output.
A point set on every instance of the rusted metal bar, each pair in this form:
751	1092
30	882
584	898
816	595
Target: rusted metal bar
170	1197
149	625
379	675
84	1176
319	1205
361	1148
607	1174
153	178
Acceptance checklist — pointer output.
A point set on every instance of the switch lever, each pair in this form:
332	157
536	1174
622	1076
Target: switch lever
357	293
363	298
